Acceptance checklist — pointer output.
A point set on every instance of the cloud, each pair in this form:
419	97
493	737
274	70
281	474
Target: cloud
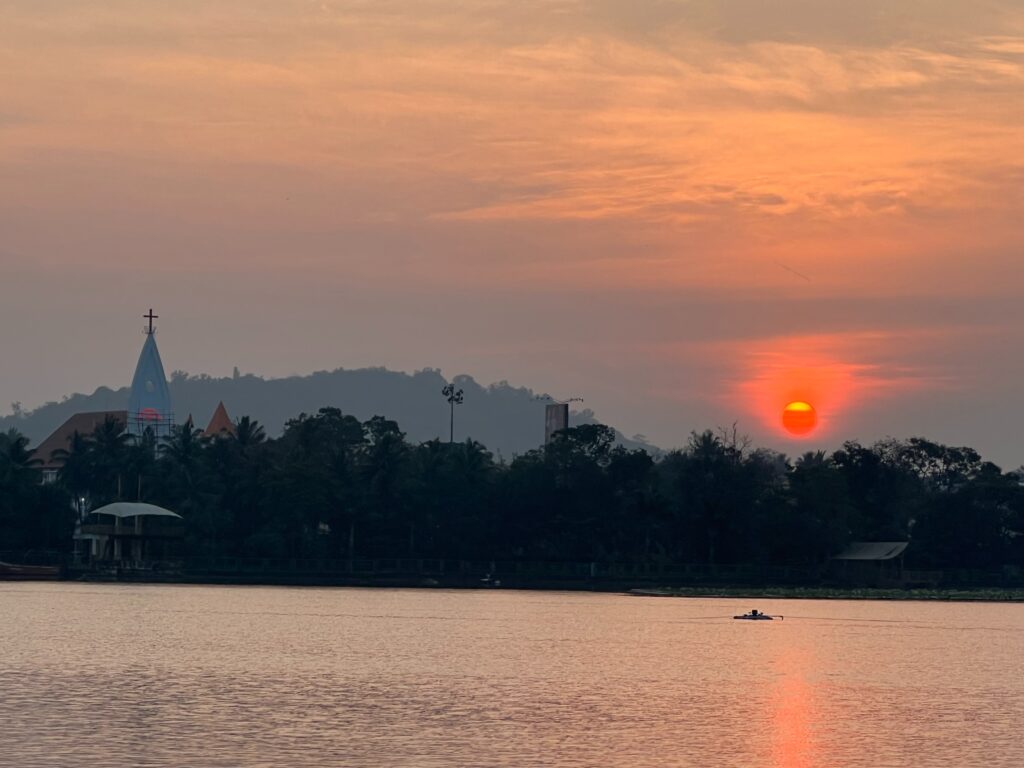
585	121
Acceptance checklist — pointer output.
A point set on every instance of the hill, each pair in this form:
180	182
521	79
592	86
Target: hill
508	420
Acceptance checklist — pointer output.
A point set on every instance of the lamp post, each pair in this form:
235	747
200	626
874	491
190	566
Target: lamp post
454	397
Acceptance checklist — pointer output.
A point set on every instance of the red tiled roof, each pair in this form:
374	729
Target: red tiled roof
83	424
220	423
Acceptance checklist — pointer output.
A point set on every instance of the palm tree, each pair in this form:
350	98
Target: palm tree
472	462
813	460
31	515
185	485
109	449
140	460
110	439
77	470
248	433
16	461
182	450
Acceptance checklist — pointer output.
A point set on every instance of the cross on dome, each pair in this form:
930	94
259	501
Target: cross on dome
151	317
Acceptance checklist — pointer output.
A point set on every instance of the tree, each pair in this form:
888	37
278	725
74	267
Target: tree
628	526
383	460
185	486
818	521
972	525
248	434
107	451
314	470
77	472
884	493
16	460
32	516
703	489
940	467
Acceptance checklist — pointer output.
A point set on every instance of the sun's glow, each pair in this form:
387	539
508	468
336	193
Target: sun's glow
799	418
816	386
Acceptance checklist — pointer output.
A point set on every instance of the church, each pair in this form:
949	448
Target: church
149	408
127	534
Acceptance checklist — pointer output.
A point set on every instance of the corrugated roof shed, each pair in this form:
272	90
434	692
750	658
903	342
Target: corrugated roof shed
872	550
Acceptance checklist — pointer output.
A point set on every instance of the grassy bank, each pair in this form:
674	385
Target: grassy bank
830	593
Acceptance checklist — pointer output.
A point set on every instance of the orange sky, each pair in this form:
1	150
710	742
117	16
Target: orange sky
676	209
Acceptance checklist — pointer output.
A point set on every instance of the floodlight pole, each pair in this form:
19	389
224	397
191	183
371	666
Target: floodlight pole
454	397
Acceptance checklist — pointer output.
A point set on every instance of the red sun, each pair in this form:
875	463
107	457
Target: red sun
799	418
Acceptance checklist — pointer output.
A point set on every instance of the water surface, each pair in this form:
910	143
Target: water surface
247	677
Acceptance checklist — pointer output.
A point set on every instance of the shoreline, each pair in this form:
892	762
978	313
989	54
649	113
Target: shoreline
625	587
965	595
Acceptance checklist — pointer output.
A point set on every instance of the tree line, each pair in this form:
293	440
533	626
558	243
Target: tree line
333	486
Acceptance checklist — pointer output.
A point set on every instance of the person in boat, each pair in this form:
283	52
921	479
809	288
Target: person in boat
753	612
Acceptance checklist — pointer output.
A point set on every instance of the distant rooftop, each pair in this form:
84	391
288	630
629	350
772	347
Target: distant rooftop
82	423
220	424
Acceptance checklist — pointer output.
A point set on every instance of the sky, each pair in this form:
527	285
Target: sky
687	213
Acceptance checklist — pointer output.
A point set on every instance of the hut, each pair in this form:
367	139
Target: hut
870	563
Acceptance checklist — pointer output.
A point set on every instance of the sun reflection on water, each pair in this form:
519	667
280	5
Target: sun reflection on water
794	713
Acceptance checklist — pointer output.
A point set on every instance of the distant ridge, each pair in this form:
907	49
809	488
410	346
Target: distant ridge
508	420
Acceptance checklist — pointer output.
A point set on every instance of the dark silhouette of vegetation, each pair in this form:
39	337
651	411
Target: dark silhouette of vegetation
507	419
332	486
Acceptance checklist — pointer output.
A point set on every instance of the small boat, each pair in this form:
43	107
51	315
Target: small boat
756	615
16	572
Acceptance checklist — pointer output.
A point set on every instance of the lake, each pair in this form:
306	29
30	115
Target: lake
244	677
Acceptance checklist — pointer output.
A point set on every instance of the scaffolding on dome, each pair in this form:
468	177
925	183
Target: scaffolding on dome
159	424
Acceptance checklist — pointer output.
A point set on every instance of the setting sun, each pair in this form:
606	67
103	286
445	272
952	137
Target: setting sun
799	418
